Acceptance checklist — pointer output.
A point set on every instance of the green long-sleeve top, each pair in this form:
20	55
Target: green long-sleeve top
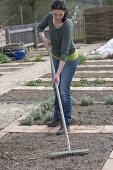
61	38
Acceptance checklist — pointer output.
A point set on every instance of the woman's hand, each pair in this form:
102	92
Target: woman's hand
47	43
56	78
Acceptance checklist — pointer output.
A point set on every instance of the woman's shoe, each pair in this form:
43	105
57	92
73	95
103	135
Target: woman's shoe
61	130
53	123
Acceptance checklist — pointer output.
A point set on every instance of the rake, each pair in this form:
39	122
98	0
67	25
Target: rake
68	152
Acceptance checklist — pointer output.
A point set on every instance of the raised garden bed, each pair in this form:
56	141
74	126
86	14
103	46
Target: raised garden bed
30	151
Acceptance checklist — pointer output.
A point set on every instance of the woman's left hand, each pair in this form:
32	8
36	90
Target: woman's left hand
56	78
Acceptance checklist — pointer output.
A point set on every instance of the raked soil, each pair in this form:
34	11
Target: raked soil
26	151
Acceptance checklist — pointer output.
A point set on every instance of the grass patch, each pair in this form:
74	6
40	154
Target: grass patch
38	82
35	59
81	59
98	82
82	83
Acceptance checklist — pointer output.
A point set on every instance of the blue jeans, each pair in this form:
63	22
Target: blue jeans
64	89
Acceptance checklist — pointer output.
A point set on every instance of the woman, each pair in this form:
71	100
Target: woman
64	56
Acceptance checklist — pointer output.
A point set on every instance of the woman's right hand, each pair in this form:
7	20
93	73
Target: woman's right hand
47	43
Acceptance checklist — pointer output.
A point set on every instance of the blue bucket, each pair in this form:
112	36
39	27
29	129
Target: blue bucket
20	54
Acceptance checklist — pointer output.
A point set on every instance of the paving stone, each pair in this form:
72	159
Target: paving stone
2	134
108	129
108	165
111	155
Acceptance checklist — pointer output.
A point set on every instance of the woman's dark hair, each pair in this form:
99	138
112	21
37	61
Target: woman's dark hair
60	5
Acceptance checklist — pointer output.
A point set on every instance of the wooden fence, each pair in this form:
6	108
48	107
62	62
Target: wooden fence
28	35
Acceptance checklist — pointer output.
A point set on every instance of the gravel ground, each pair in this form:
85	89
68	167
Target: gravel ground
11	111
21	151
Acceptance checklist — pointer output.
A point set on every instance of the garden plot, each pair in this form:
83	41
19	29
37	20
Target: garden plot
96	114
30	151
24	95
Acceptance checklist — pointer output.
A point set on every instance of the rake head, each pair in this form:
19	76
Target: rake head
78	152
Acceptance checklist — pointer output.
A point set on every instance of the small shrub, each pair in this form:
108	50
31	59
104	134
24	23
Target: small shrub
27	121
48	117
4	58
36	113
109	99
86	101
41	112
81	59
